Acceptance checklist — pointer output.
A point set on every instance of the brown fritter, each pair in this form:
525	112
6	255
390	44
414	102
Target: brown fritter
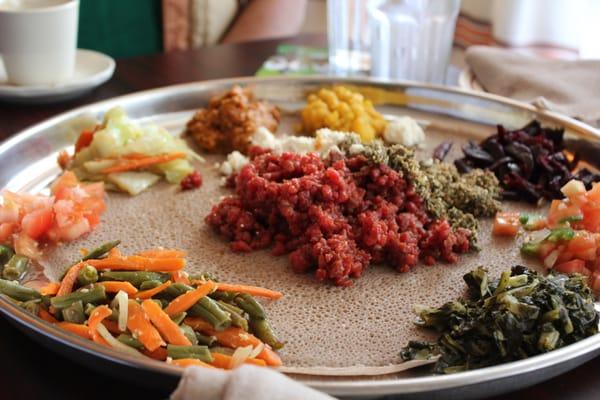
230	120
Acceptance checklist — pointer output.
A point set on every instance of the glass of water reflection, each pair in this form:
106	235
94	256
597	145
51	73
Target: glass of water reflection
392	39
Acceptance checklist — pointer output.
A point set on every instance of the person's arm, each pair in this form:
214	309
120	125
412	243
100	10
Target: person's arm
265	19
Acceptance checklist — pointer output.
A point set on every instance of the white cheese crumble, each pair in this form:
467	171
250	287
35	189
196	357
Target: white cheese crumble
324	143
405	131
234	163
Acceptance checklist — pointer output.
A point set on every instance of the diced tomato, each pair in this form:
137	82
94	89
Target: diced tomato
564	256
84	140
93	219
66	180
6	231
595	281
545	249
583	246
72	211
559	210
73	231
594	193
37	223
573	266
27	247
591	217
506	224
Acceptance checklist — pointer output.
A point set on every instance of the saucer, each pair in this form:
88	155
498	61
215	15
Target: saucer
91	70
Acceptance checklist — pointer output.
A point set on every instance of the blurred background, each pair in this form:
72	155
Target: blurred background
559	28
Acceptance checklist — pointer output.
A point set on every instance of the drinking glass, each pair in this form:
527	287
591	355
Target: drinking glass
348	37
411	39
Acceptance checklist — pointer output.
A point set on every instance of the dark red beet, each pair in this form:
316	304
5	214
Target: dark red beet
529	162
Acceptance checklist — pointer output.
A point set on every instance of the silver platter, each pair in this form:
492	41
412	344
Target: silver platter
27	162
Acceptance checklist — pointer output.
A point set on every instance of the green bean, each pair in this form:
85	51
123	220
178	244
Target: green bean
225	296
230	307
74	313
205	340
87	275
129	340
18	292
199	352
95	294
162	302
15	268
262	329
251	306
176	290
213	314
149	284
6	254
95	253
222	350
32	306
100	250
189	333
236	315
203	276
134	277
213	307
177	318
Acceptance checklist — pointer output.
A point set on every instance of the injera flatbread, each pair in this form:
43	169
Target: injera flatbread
329	330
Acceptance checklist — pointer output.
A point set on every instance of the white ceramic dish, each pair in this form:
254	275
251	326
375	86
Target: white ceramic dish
91	70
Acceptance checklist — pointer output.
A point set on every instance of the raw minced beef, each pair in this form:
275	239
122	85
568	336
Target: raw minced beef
334	216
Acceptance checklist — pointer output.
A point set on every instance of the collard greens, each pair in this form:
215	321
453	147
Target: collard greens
507	319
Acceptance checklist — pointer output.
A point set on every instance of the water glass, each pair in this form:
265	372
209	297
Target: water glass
348	37
411	39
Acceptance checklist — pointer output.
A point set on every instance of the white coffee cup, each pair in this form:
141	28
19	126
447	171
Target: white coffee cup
38	40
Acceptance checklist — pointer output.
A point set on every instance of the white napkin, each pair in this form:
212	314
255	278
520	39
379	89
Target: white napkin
568	87
246	382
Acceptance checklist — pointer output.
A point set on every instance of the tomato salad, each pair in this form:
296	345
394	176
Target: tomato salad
567	239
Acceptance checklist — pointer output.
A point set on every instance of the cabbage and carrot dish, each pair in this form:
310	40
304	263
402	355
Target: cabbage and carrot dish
146	305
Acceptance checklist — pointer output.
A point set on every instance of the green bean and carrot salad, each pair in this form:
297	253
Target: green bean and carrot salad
145	304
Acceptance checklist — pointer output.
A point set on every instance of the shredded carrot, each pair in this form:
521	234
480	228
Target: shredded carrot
96	317
148	294
189	362
115	286
224	361
67	283
114	253
270	357
137	263
50	289
162	253
252	290
165	325
141	328
180	277
46	316
77	329
112	326
138	163
159	354
188	299
233	337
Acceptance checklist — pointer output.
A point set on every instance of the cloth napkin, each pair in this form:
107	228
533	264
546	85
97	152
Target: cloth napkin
247	382
568	87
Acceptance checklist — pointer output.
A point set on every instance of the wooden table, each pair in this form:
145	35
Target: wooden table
28	370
